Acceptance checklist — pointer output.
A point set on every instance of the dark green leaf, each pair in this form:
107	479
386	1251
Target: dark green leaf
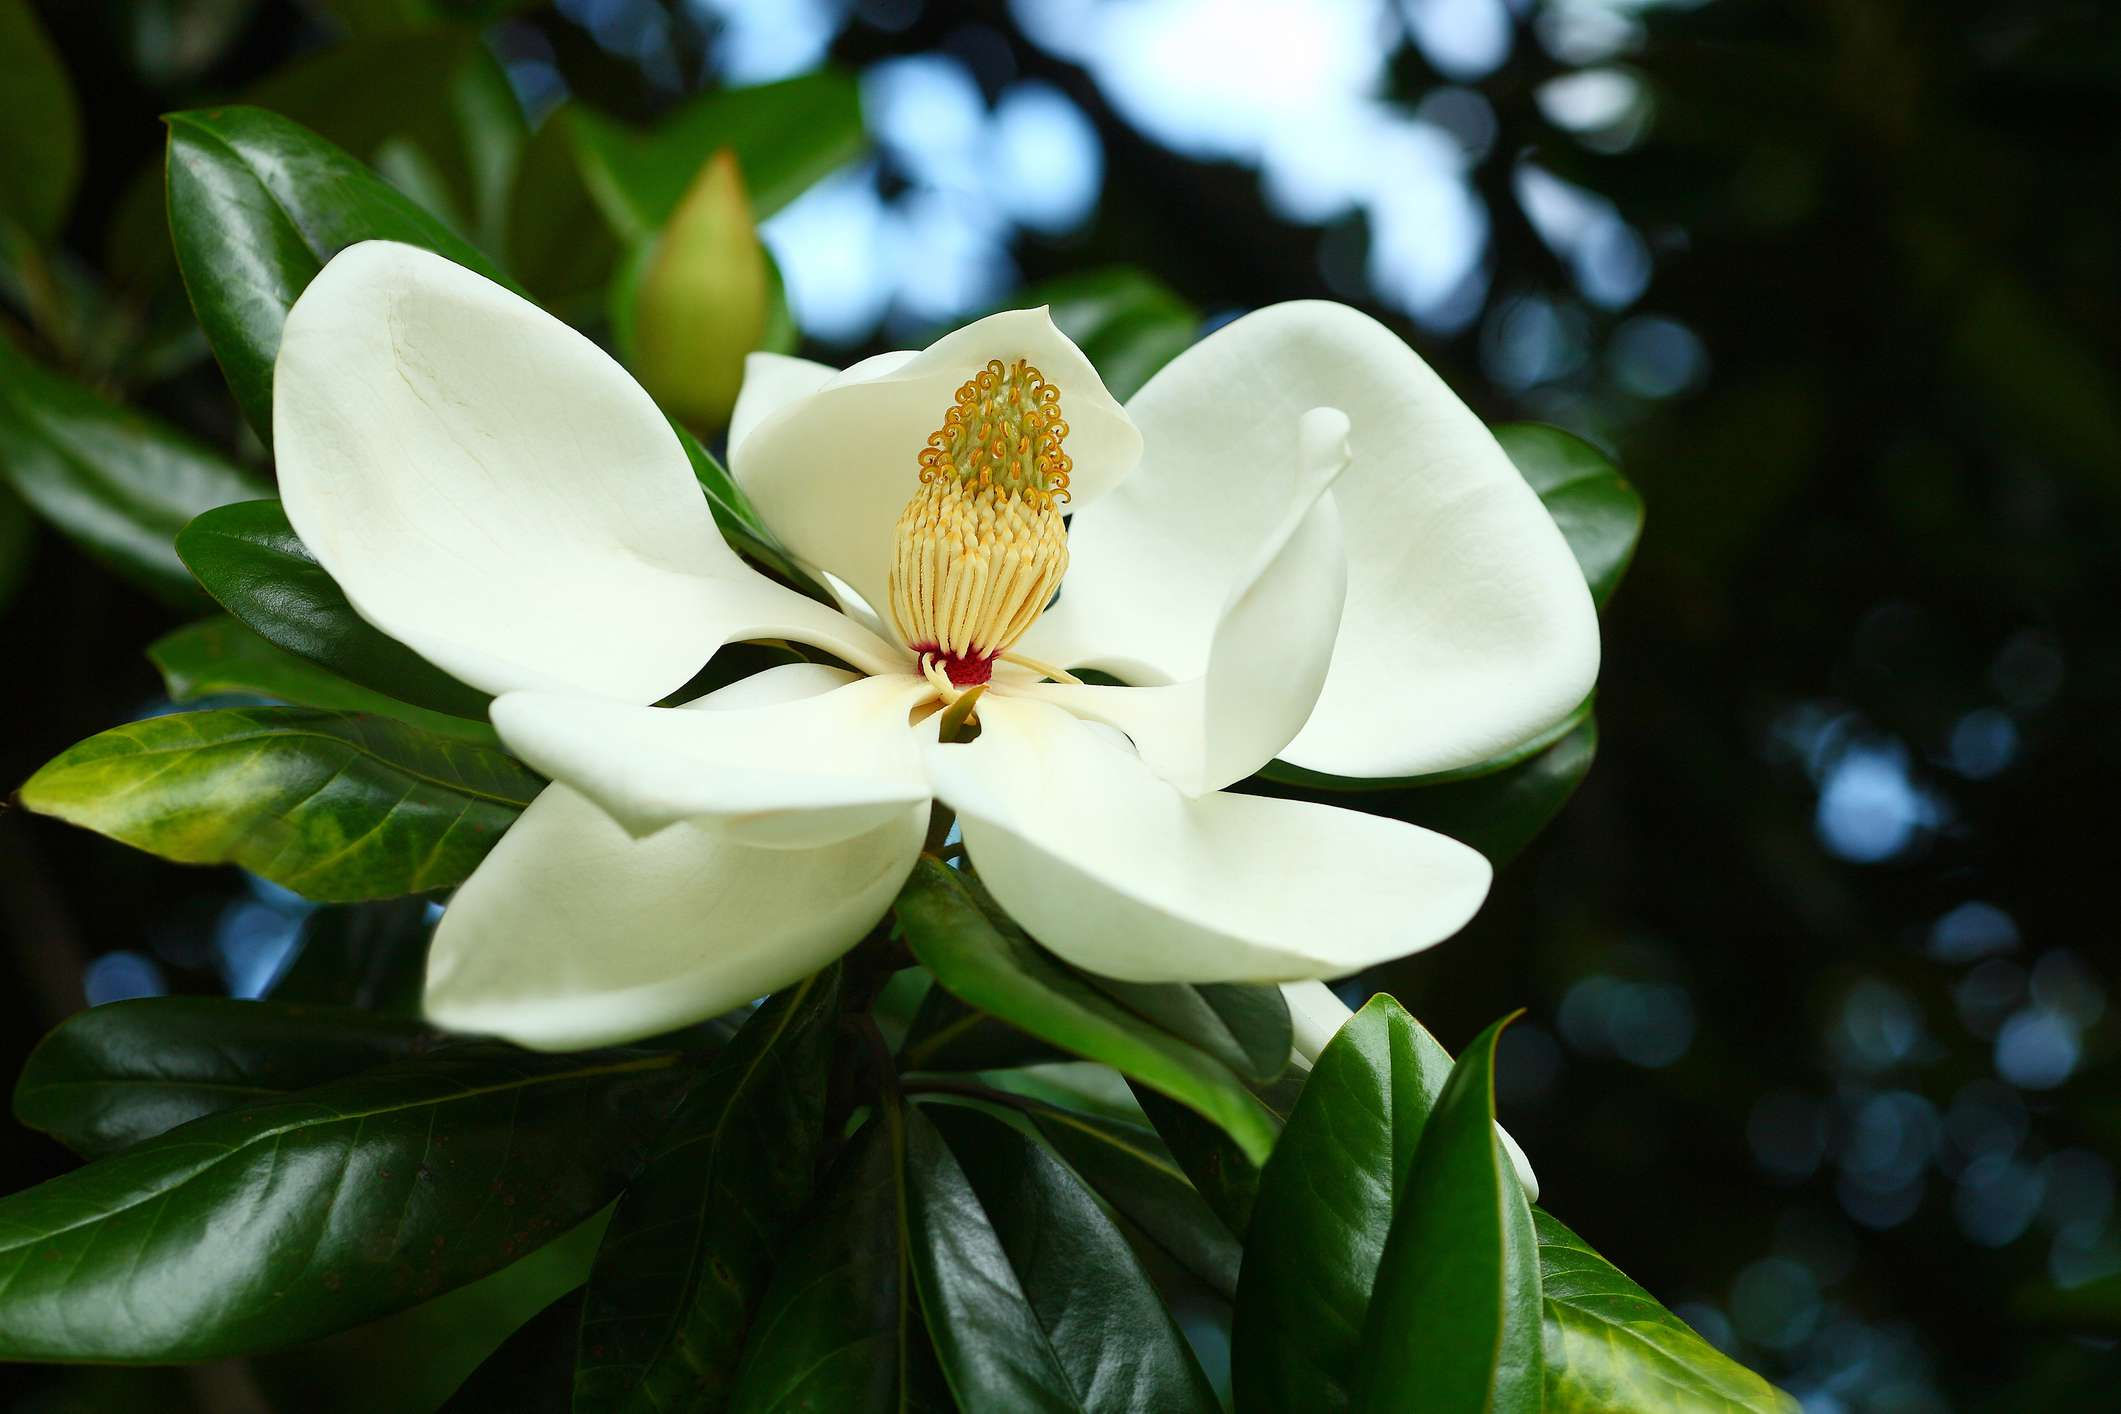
1599	512
1225	1177
367	955
218	657
1128	323
40	125
694	1239
529	1373
333	806
1245	1027
280	1222
993	1350
117	482
250	559
993	966
785	136
1097	1312
1325	1205
114	1075
257	204
558	241
1500	814
1454	1318
1130	1169
1612	1349
838	1330
431	89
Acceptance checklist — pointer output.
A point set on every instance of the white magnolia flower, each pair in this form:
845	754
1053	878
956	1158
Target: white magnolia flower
489	488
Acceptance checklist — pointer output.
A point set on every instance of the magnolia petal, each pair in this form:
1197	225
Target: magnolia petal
1468	628
1270	652
574	933
1316	1014
770	761
1119	872
771	382
830	472
490	489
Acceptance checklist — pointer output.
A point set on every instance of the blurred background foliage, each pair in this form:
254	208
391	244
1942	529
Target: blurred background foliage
1821	1045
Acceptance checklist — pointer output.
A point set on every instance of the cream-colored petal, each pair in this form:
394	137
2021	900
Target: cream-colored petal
771	382
1270	652
575	933
758	765
1121	873
490	489
831	472
1467	628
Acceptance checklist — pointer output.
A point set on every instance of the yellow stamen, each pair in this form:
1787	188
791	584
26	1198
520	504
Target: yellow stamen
982	546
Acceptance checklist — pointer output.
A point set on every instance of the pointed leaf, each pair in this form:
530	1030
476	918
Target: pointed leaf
1225	1177
114	1075
1130	1169
694	1239
998	969
280	1222
118	483
250	559
839	1330
1098	1312
1454	1318
1611	1348
1325	1208
1246	1027
218	657
331	805
257	204
945	1035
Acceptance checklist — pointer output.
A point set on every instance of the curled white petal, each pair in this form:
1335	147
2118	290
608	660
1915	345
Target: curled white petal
1123	874
575	933
1467	629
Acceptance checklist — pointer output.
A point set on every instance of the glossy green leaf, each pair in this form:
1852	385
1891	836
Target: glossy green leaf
117	482
1500	814
1092	1304
1245	1027
219	657
839	1330
1131	1170
250	559
990	964
280	1222
988	1340
40	125
785	136
1325	1207
257	204
367	955
1599	512
529	1373
331	805
1128	323
1611	1348
1222	1173
558	241
116	1074
1454	1317
694	1239
435	89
